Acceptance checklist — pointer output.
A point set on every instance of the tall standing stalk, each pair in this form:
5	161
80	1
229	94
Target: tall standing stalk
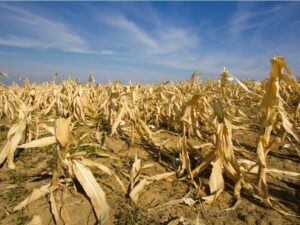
269	111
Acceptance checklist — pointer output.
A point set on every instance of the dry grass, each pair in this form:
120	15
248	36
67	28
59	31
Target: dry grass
208	112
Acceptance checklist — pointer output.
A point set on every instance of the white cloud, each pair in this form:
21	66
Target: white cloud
247	16
158	38
20	42
133	30
42	32
152	42
107	52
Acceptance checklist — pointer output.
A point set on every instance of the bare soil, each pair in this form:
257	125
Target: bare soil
34	167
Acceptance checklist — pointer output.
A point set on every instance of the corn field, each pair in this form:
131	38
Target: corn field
218	139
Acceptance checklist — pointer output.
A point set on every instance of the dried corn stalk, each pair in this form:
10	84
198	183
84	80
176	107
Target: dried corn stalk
14	137
270	106
224	161
141	112
223	81
76	166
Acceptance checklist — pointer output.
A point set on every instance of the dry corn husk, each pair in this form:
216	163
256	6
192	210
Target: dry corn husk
62	131
14	137
93	190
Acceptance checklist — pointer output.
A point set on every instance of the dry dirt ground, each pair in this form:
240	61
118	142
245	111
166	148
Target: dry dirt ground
34	168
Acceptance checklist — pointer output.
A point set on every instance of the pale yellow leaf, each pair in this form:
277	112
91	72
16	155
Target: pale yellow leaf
54	209
288	126
35	195
161	176
105	169
93	190
216	180
42	142
135	192
118	121
135	171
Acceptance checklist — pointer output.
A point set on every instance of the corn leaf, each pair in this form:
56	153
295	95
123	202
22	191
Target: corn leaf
42	142
93	190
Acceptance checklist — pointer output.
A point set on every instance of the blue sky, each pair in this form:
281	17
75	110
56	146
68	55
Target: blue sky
146	41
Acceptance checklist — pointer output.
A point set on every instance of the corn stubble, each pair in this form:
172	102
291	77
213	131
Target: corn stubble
208	111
